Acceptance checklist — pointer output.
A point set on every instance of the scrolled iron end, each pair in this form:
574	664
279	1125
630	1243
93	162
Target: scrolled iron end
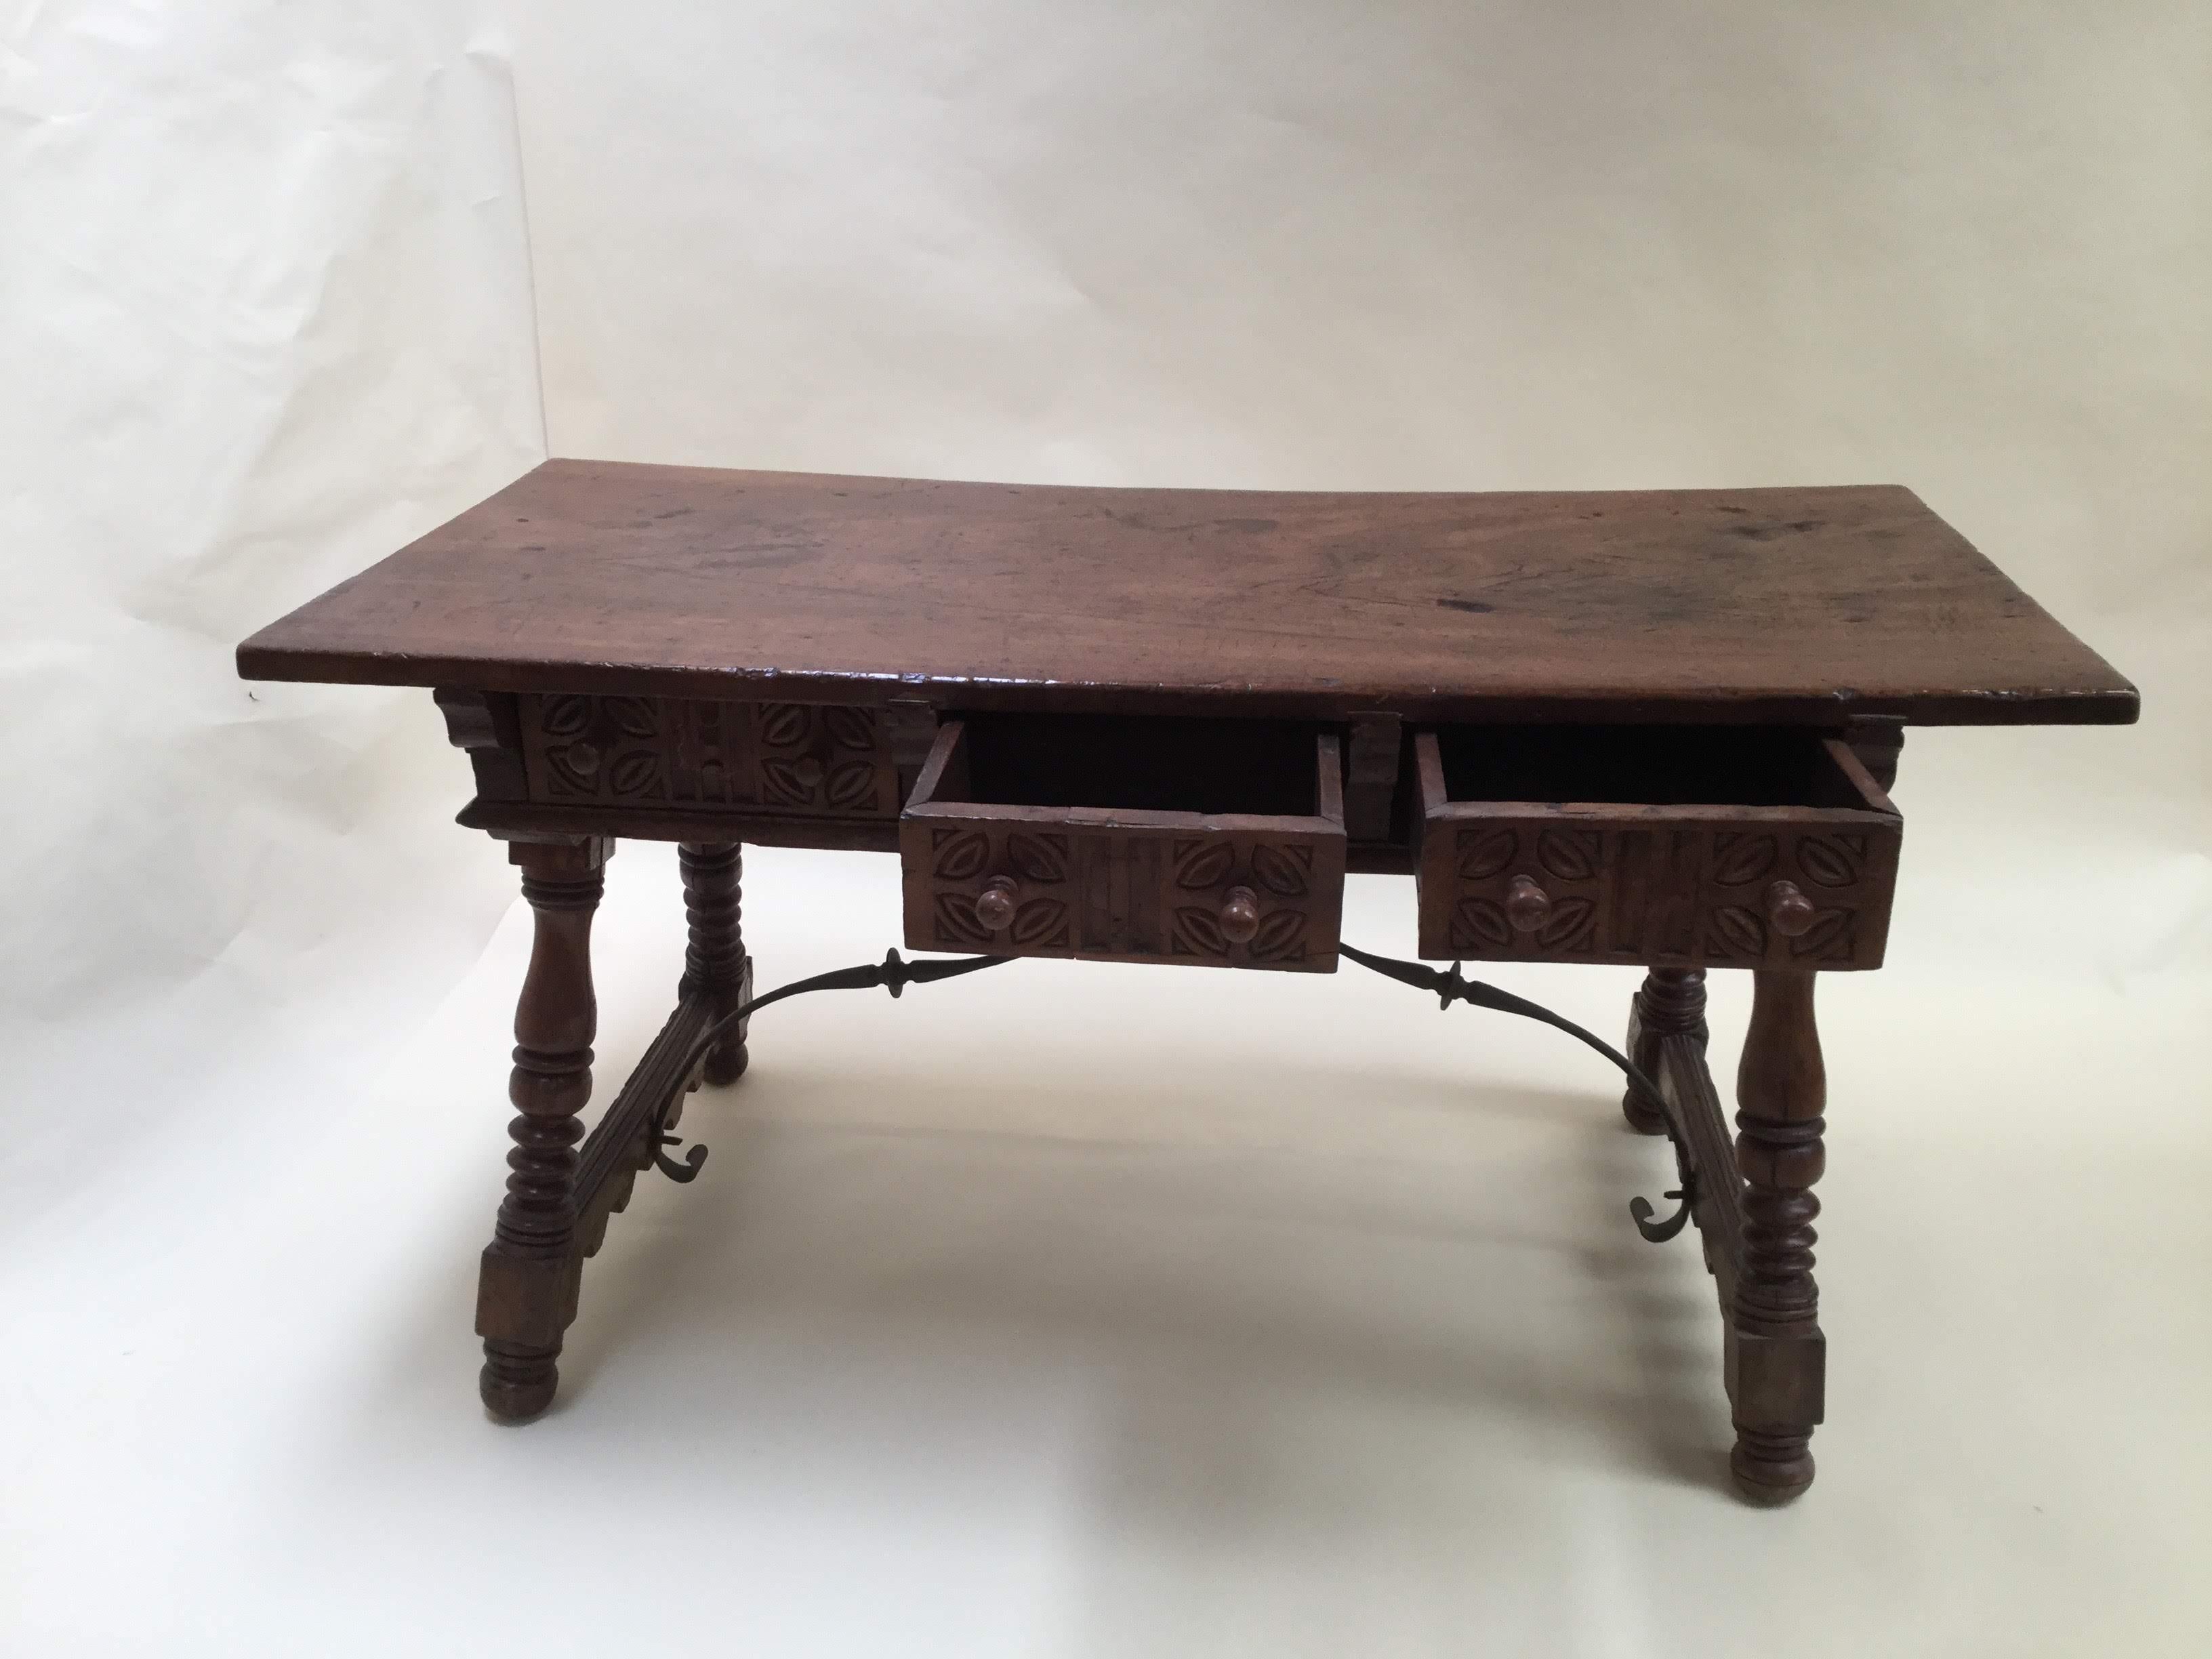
684	1173
1658	1232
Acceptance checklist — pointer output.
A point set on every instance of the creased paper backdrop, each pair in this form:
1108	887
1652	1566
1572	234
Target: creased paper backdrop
1103	1311
266	313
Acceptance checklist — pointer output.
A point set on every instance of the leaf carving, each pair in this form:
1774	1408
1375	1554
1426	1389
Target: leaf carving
634	773
958	922
1040	921
1040	858
1281	870
1568	927
574	768
1483	854
960	855
1479	924
783	724
1206	865
850	728
634	717
1198	933
1740	859
1281	937
1830	862
564	717
1743	931
852	785
1569	855
1829	928
784	782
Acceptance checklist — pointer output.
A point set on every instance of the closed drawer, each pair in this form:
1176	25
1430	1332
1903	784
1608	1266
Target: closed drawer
1202	842
689	754
1659	845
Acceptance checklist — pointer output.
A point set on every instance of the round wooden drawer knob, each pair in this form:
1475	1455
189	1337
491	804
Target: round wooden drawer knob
808	772
1239	915
1527	906
994	905
1789	909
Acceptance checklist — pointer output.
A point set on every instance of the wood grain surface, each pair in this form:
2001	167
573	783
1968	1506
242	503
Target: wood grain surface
1795	604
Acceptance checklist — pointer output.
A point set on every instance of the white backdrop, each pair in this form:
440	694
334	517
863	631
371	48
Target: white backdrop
1098	1311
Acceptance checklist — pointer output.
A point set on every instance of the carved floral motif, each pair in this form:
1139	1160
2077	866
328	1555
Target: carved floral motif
1712	881
1141	895
959	854
1834	862
691	753
1199	864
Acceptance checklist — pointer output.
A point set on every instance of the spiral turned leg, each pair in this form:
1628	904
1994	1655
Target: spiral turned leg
1671	1004
1776	1355
715	960
527	1292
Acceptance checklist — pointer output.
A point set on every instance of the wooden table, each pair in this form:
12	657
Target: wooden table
1651	728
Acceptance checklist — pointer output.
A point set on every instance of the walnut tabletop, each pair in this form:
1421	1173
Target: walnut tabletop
1810	605
1652	730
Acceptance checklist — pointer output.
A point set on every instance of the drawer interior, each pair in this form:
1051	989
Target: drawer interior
1160	763
1648	766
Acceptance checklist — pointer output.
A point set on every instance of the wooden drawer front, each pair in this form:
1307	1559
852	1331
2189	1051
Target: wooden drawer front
821	760
1225	890
1660	883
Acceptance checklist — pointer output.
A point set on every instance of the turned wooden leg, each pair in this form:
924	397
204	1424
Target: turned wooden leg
526	1292
1776	1357
715	960
1671	1004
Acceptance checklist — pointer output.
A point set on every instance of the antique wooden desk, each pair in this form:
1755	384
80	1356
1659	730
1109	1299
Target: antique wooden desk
1652	729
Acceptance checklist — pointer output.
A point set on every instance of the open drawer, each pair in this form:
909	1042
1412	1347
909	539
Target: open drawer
1665	846
1217	843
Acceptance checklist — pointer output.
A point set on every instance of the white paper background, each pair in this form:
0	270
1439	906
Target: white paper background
1079	1311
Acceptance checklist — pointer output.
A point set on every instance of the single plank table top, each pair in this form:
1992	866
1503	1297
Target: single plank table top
1812	605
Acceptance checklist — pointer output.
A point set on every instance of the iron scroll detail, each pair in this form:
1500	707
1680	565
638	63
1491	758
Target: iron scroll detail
894	974
1452	987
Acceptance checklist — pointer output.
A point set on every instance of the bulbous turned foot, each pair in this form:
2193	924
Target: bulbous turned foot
726	1063
1643	1116
517	1387
1771	1469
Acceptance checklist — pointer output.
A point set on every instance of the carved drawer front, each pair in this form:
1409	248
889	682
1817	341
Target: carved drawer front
821	760
1007	847
1663	847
